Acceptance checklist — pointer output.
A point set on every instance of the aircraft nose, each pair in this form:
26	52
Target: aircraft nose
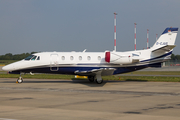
4	68
7	68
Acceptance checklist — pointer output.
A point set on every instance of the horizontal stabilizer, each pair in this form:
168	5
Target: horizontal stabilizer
163	49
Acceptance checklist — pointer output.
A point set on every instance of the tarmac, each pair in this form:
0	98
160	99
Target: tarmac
42	99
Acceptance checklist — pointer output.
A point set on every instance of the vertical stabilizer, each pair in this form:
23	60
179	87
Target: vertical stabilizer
168	37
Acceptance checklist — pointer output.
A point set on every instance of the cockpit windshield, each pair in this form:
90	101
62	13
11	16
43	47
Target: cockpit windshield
32	57
29	57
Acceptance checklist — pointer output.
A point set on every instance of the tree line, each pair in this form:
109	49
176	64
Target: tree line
10	56
175	58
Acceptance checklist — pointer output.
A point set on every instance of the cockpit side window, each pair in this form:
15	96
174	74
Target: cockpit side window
33	58
38	58
29	57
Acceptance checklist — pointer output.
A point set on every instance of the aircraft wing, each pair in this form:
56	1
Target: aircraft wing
166	48
103	71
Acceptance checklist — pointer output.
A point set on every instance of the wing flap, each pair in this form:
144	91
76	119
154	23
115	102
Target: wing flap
104	72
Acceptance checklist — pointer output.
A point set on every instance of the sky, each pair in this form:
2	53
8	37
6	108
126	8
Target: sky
75	25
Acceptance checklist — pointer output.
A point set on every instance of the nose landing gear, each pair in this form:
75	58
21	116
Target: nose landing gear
20	79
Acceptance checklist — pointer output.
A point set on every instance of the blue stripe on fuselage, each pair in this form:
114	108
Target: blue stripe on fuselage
70	70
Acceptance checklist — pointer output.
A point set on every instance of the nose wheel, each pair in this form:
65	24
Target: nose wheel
19	80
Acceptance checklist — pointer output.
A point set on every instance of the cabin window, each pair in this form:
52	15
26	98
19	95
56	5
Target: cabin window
80	57
71	58
63	58
99	57
29	57
89	58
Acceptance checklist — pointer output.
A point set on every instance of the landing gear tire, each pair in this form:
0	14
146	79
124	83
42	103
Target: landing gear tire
99	81
91	78
19	80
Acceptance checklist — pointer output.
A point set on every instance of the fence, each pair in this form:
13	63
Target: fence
171	63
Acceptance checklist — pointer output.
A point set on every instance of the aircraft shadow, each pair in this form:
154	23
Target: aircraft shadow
132	80
87	83
74	81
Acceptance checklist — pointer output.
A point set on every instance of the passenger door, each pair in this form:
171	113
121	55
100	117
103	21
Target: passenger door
54	61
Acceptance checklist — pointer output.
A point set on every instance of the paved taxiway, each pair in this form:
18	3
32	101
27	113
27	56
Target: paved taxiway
40	99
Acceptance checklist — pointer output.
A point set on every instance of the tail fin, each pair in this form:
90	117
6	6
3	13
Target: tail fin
167	38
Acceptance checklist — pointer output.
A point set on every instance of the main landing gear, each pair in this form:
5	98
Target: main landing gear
96	78
99	81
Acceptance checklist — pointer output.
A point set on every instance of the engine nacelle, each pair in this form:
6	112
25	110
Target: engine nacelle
115	58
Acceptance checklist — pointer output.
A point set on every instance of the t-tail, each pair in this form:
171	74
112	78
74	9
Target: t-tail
165	43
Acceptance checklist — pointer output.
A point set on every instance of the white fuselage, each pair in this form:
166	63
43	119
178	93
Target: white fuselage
97	64
54	61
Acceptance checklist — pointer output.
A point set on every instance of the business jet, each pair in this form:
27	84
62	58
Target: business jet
94	65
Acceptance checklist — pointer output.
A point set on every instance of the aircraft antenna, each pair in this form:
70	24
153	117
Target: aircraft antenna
147	38
84	50
156	36
135	36
115	31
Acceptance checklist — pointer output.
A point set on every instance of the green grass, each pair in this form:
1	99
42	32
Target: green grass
155	73
5	62
120	78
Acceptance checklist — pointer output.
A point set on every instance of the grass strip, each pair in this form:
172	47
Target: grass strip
155	73
120	78
5	62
